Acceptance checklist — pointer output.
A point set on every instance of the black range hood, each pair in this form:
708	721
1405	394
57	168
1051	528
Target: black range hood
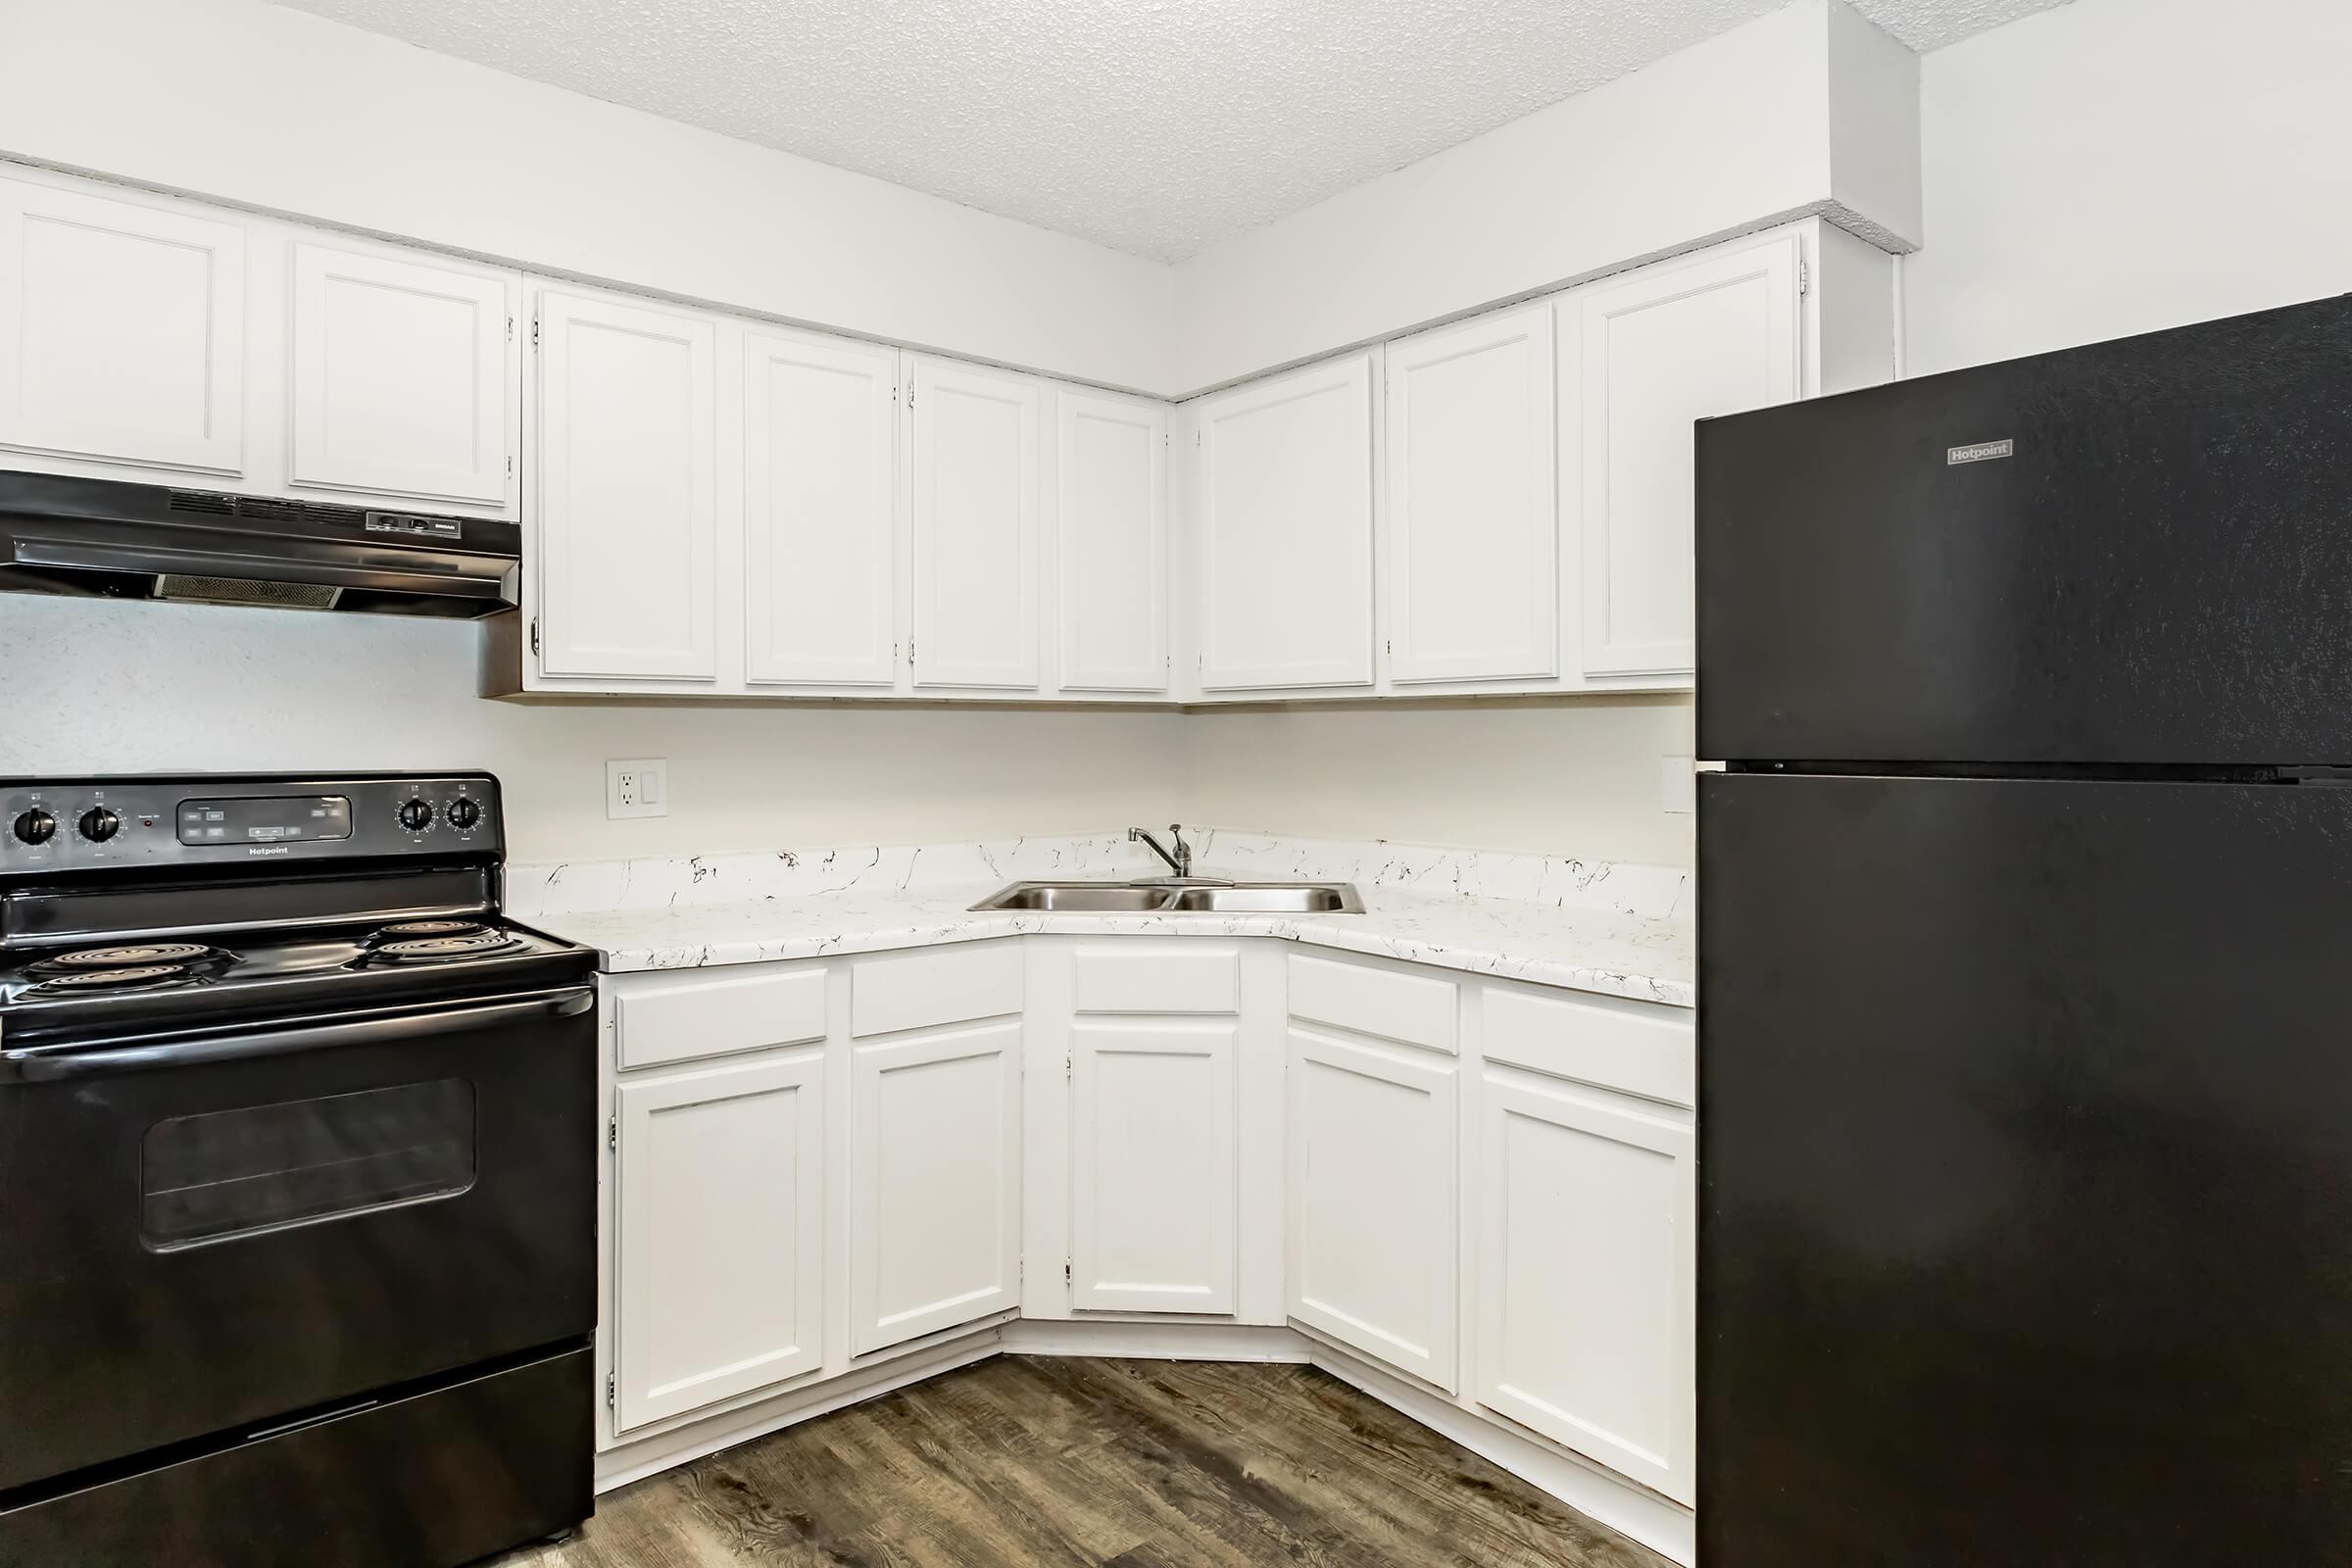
103	538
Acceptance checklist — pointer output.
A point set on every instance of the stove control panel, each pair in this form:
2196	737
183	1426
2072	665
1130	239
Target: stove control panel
96	824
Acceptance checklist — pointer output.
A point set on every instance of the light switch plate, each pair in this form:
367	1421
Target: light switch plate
637	786
1677	785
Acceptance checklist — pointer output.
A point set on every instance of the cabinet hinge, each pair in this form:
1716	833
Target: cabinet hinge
534	334
509	330
535	636
1069	1273
911	394
1804	277
611	1391
909	653
613	1133
1069	1064
510	465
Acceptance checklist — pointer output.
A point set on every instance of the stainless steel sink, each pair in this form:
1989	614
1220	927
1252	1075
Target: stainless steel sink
1100	897
1291	898
1198	896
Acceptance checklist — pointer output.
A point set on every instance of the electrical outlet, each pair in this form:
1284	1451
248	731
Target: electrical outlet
637	787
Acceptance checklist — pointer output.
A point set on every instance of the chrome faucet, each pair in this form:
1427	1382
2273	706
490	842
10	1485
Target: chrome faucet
1179	862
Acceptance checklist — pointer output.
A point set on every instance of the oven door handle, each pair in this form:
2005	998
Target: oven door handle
49	1064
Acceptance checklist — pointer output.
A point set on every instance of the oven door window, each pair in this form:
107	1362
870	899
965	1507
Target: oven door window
232	1173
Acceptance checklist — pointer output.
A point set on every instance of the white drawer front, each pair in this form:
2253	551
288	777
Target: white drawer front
1636	1050
1418	1009
1115	977
679	1017
944	985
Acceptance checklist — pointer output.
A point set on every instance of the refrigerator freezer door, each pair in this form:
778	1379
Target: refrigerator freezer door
2025	1164
2139	552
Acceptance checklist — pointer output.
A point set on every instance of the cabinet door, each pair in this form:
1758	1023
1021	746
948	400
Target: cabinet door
121	330
1473	522
819	511
1152	1196
1585	1282
1110	512
401	382
976	446
935	1187
721	1247
1283	512
627	472
1661	349
1373	1220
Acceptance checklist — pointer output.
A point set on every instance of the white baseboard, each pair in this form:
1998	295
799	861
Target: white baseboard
1155	1342
665	1451
1666	1528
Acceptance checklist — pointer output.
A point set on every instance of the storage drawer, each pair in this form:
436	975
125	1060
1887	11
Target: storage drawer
422	1480
1418	1009
717	1012
1628	1046
942	985
1117	977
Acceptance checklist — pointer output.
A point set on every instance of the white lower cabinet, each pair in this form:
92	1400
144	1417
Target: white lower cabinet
719	1240
935	1181
1373	1260
1586	1272
831	1168
1152	1213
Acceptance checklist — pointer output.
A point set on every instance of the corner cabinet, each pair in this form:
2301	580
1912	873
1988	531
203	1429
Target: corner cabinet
628	489
1109	507
1472	579
977	508
1281	531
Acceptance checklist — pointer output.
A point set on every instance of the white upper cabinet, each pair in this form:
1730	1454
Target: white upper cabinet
1587	1328
121	330
976	511
1651	355
1112	552
1473	581
627	466
1282	510
403	375
819	511
722	1235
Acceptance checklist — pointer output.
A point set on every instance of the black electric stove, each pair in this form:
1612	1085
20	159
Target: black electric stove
298	1133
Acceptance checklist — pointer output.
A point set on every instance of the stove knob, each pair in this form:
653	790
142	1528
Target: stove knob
98	824
35	826
463	813
417	816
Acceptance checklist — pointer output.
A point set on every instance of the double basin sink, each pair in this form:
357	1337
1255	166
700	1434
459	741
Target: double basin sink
1190	896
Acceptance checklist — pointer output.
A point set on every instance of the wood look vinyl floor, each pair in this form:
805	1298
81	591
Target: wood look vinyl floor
1051	1462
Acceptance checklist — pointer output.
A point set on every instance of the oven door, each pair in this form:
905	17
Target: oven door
211	1231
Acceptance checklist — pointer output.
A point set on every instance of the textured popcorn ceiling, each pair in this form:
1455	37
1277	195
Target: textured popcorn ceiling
1158	127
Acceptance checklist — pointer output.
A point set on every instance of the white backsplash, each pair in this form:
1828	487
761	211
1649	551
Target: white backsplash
535	890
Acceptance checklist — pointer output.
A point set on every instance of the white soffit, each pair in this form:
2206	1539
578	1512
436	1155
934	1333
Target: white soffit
1155	127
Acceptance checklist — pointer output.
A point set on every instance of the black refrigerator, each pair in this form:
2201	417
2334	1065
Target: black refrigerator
2024	930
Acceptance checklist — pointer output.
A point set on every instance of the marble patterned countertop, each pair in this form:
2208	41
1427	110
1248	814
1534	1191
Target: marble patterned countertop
1619	930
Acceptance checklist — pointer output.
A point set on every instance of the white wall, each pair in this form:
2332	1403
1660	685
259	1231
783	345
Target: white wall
1578	777
97	687
2118	166
1808	109
274	109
